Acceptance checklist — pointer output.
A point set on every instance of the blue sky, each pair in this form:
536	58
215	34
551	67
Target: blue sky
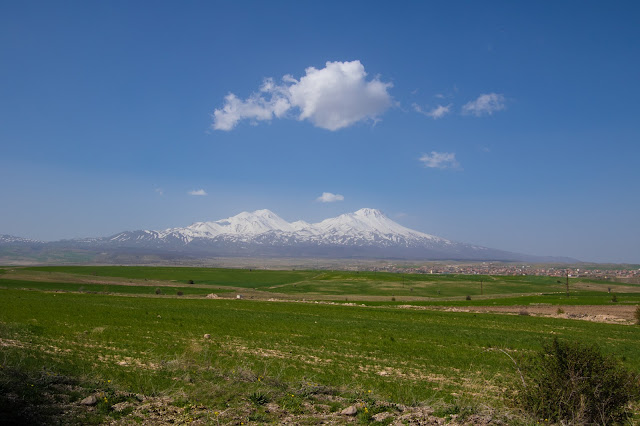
512	125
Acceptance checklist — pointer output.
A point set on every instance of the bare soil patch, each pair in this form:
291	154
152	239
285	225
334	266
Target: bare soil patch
610	314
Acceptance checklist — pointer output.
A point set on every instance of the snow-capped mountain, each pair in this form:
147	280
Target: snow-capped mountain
370	225
364	233
10	239
365	227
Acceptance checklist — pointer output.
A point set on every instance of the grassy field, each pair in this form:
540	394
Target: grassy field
358	285
147	358
557	298
110	288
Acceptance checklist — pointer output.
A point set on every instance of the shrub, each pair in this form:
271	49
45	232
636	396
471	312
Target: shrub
636	314
614	298
572	383
523	312
180	293
158	291
190	282
258	398
560	311
468	298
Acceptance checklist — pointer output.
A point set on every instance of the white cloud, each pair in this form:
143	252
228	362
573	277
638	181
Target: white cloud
159	191
440	160
486	104
235	109
328	197
197	192
435	113
332	98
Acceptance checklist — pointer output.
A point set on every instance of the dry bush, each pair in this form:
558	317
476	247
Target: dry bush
571	383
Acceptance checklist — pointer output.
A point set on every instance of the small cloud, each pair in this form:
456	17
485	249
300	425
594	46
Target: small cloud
400	215
435	113
332	98
197	192
439	95
328	197
159	191
486	104
440	160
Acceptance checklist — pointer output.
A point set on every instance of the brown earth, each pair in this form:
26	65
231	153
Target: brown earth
610	314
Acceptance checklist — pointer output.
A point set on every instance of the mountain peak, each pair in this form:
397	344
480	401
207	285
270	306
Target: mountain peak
368	226
367	212
257	222
365	232
265	213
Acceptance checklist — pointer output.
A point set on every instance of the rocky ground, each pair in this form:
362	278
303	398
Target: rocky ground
49	399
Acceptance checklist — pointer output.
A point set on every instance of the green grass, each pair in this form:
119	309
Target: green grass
320	283
211	276
560	298
108	288
442	290
425	355
294	355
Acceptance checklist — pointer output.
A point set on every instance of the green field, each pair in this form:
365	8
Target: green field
342	283
109	288
269	361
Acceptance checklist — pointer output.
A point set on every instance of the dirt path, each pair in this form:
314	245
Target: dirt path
610	314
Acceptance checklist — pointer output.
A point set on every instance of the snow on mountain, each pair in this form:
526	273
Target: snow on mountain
366	226
258	222
11	239
243	226
370	224
302	226
366	233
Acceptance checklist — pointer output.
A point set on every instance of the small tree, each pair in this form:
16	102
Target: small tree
571	383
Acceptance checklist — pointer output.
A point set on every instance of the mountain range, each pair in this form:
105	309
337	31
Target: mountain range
366	233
